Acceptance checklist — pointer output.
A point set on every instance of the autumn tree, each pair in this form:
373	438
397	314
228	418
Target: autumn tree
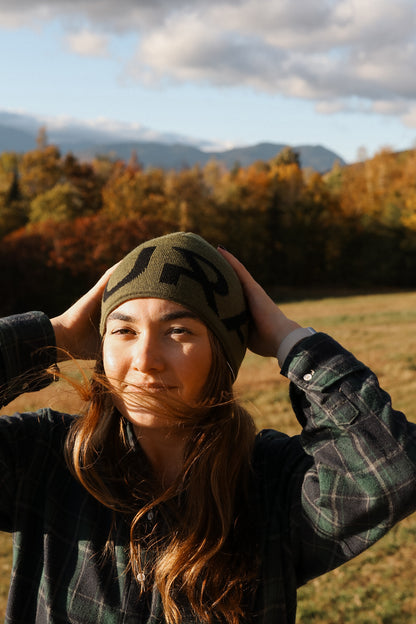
51	264
39	171
83	178
42	139
13	210
354	225
287	156
103	167
130	192
190	203
134	162
370	188
243	198
62	202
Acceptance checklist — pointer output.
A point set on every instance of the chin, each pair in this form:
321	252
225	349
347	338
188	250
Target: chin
146	419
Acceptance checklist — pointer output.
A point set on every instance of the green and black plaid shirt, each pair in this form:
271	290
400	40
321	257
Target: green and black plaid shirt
319	499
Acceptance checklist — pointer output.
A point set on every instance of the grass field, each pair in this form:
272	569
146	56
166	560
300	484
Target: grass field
378	586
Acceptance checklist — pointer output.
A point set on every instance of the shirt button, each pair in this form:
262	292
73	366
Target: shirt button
141	577
150	515
308	376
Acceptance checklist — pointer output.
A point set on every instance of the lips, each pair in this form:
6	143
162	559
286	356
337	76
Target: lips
153	387
156	387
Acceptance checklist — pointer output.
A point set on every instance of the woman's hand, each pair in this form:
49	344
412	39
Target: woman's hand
76	330
270	325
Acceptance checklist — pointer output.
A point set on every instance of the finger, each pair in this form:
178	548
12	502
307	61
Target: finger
245	277
102	282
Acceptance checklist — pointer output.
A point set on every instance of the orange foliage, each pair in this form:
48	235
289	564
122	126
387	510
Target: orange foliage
354	225
129	193
49	265
39	171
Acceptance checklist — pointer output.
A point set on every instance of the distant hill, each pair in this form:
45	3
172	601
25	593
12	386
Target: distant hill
16	140
167	155
178	155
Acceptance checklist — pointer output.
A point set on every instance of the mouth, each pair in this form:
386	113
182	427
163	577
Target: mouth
156	388
153	387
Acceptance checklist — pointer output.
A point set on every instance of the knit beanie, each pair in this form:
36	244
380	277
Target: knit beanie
184	268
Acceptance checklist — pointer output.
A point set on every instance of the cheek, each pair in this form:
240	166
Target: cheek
196	371
112	363
107	361
206	364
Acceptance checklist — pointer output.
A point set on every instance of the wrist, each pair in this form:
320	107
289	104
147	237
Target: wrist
60	337
290	341
281	332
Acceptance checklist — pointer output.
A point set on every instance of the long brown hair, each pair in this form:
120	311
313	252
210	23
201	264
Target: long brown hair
203	553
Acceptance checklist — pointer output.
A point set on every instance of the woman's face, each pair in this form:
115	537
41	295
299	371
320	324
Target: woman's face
155	345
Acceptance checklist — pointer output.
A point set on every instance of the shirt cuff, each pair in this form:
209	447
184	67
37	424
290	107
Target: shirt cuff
290	341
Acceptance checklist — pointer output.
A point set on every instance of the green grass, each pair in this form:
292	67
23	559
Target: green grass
378	586
375	588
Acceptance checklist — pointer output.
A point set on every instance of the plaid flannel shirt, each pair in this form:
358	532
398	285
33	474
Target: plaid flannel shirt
319	499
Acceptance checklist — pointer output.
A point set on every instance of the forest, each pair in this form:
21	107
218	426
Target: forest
63	221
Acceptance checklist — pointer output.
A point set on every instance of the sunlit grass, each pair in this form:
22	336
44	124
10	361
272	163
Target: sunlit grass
378	586
375	588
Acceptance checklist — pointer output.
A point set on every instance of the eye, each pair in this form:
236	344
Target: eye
121	331
179	331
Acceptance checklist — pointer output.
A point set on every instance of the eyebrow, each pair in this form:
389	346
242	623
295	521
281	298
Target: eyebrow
118	316
179	314
170	316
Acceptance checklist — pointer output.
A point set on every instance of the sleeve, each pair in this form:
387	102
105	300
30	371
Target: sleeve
363	476
32	465
27	351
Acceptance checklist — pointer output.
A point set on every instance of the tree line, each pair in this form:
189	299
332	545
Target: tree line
63	221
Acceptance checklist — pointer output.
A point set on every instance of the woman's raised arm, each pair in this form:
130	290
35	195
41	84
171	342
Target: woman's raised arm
269	324
76	329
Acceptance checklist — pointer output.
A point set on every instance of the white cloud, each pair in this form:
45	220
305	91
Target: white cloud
343	54
390	107
330	107
99	130
188	50
409	117
87	43
116	16
102	130
339	49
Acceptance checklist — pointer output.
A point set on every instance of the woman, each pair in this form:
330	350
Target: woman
161	503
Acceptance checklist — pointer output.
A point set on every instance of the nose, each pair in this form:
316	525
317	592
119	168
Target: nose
148	356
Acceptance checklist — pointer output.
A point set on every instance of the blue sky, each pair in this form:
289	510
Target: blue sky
339	73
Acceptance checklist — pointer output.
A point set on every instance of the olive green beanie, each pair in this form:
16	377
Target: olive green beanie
184	268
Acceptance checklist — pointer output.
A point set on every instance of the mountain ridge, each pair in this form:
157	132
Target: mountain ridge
169	154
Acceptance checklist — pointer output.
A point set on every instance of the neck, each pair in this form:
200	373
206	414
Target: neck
164	450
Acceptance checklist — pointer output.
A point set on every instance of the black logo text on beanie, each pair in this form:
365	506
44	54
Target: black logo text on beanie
172	272
140	265
197	268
